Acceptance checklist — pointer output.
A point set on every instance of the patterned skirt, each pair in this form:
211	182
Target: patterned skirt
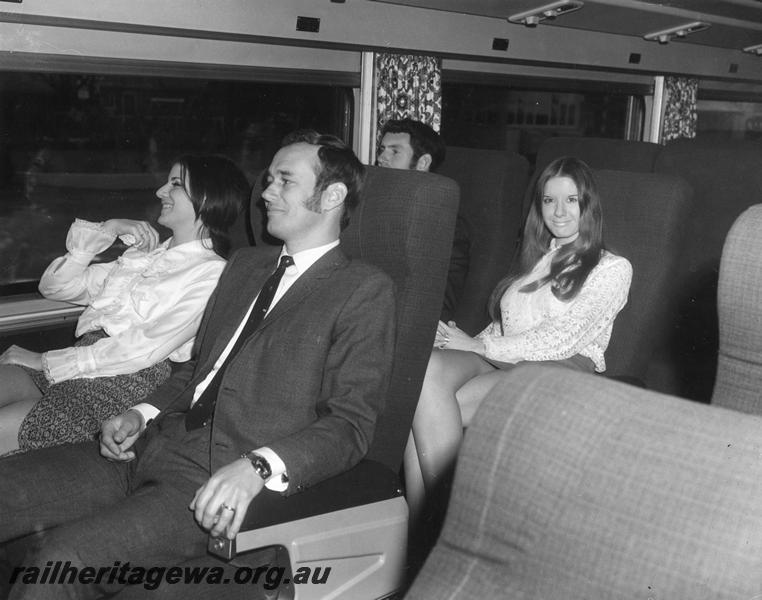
73	410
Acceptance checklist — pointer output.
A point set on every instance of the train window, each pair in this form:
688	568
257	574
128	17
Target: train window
518	116
729	119
98	145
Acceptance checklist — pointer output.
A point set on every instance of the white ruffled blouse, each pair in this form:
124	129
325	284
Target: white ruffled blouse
538	326
149	303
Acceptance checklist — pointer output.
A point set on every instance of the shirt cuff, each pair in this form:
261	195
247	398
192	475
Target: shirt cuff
278	481
61	365
86	238
147	411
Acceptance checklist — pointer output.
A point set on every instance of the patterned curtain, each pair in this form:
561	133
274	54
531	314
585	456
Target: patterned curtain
409	86
680	115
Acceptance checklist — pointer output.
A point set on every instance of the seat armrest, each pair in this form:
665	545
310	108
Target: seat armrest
364	484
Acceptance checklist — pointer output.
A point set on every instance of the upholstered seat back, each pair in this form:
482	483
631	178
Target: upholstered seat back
644	217
404	225
600	153
572	486
492	184
738	384
726	179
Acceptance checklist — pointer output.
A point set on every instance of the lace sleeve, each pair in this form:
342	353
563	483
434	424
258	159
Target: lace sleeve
591	313
490	330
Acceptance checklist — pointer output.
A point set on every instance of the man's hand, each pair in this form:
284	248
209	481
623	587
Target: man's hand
119	433
221	503
16	355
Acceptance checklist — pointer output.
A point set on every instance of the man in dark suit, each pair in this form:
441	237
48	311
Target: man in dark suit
267	407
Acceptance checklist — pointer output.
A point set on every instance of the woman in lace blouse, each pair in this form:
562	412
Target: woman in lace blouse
558	306
143	310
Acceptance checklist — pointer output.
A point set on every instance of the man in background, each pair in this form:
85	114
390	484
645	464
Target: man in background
409	144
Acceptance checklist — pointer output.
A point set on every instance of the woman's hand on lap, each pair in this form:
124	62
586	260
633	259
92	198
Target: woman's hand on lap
16	355
450	337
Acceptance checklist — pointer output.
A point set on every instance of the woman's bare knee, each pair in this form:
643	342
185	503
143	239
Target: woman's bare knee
16	385
473	392
11	417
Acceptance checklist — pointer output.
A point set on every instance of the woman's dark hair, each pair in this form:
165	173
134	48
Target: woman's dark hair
573	262
218	190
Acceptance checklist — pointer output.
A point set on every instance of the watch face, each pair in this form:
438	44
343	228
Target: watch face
261	466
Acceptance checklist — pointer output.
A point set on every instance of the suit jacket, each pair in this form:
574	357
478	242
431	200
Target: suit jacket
310	381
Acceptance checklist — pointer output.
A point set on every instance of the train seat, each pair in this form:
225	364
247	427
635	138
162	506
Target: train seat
738	384
726	179
356	523
644	216
600	153
573	486
492	184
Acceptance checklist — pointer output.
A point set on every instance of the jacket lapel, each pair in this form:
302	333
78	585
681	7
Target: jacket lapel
237	305
305	285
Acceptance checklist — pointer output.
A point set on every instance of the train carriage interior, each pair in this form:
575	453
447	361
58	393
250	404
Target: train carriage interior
642	482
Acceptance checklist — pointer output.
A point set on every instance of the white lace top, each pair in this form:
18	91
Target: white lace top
149	303
538	326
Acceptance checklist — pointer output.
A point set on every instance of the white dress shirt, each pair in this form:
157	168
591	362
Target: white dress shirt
302	261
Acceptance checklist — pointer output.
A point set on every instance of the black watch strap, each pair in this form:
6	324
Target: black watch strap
260	464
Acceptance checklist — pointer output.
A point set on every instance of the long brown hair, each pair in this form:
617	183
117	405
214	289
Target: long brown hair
573	262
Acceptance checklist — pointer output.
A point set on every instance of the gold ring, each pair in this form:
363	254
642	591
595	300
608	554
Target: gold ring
226	507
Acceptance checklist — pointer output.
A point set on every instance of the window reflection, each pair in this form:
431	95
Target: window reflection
98	146
500	117
729	119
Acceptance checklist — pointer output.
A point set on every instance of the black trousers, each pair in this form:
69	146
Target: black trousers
96	514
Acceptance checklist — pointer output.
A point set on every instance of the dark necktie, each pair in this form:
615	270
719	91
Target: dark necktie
201	411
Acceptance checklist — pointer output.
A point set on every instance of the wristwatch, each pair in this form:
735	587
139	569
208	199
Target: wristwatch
260	464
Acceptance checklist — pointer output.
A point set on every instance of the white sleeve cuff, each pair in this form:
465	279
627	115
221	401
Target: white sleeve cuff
147	411
61	365
87	238
278	481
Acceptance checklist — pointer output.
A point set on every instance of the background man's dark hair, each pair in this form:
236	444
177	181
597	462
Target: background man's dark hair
423	139
338	163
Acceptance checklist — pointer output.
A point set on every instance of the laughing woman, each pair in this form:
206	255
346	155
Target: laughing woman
142	310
